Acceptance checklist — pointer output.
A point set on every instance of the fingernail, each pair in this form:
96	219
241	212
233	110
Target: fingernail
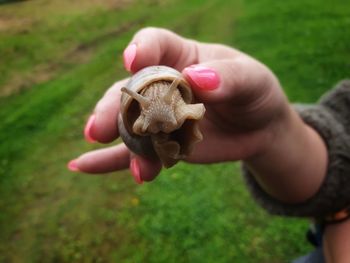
72	166
135	171
87	130
202	77
129	56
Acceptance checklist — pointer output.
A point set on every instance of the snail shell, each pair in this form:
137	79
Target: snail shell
157	119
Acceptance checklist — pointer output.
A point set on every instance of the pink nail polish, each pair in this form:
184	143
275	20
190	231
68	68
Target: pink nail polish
202	77
72	166
87	130
129	56
135	171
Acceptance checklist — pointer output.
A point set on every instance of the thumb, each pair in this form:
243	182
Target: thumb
241	79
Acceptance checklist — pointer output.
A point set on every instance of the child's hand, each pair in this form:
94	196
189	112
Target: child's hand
245	106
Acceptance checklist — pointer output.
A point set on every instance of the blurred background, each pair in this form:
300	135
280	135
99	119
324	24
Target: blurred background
57	57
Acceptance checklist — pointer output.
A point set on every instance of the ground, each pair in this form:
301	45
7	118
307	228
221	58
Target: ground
57	57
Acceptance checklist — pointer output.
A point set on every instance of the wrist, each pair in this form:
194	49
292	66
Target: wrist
292	165
278	133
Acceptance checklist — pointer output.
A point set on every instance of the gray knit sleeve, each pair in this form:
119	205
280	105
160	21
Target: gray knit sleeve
331	119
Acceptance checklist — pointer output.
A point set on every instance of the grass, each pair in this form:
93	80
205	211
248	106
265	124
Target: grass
56	58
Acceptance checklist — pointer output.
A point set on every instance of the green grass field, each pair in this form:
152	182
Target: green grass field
57	57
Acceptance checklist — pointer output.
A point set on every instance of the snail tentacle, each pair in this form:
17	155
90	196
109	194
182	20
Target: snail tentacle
144	102
190	111
168	96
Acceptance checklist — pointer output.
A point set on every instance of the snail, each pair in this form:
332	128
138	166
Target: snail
157	119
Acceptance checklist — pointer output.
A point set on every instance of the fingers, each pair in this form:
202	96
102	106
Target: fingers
227	79
143	169
104	160
154	46
157	46
116	158
102	124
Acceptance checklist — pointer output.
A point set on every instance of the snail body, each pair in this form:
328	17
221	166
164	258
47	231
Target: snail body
157	118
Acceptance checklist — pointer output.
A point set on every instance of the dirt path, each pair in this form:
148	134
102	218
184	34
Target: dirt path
26	19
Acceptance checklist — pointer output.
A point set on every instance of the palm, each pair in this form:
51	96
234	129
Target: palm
232	133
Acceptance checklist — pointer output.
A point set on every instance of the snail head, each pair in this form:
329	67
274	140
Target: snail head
158	109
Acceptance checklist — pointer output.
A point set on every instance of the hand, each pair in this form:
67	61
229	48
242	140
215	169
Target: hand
244	103
336	242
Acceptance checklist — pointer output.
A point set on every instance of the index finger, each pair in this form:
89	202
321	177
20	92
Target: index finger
156	46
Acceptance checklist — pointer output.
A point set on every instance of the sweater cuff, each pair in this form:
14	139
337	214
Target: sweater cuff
334	193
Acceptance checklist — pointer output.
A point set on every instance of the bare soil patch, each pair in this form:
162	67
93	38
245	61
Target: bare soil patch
77	55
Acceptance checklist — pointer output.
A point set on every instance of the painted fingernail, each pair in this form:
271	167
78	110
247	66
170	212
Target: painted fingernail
72	166
202	77
135	171
129	56
87	130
